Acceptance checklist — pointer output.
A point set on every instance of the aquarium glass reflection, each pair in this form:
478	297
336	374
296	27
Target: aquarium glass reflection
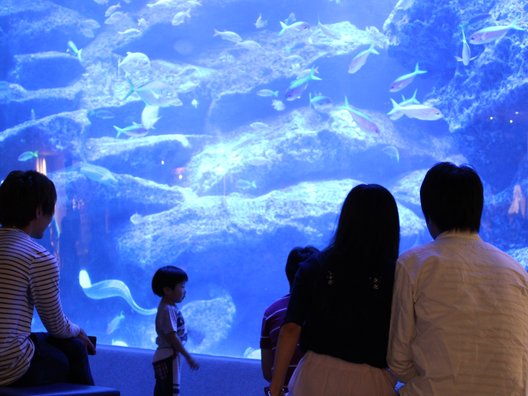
216	135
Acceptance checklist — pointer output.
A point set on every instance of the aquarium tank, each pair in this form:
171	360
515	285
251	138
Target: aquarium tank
216	135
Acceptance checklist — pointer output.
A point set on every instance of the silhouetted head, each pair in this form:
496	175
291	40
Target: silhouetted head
23	193
297	256
369	226
168	276
452	197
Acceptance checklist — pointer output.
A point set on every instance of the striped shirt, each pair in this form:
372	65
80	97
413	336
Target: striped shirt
459	320
29	278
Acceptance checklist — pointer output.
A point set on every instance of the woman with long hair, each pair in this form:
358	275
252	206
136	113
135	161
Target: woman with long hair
340	304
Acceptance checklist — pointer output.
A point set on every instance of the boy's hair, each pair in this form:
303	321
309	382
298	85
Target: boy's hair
452	197
297	256
21	194
168	276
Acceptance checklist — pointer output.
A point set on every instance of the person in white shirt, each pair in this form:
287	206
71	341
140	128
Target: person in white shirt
459	323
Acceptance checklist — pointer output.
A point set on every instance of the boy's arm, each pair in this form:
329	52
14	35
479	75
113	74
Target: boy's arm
178	347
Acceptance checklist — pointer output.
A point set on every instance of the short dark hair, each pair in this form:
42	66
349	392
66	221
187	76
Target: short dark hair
168	276
296	256
369	225
452	197
21	194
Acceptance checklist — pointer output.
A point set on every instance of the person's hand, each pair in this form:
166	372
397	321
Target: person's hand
89	346
193	364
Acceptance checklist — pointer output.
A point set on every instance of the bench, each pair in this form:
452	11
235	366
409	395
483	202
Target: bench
59	390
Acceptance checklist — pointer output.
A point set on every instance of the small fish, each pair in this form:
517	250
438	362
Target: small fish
258	125
27	155
130	32
298	26
298	86
227	35
74	50
402	81
518	204
392	152
162	3
260	23
493	33
320	103
179	17
149	116
360	59
278	105
249	45
98	174
134	61
116	18
327	31
363	120
245	185
266	93
466	51
396	115
101	113
134	130
418	111
114	323
194	103
112	9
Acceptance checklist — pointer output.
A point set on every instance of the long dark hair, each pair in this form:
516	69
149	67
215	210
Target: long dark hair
368	227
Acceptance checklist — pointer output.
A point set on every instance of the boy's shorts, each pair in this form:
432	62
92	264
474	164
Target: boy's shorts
167	374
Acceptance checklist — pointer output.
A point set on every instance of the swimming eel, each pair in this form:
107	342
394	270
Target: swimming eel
110	288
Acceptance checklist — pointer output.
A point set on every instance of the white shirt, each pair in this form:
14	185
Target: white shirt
459	322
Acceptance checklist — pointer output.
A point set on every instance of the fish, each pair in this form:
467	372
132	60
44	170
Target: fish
149	116
298	26
101	113
278	105
260	23
194	103
326	30
227	35
110	288
404	80
114	323
298	86
249	45
259	125
155	93
392	152
72	48
320	102
418	111
163	3
98	174
134	61
266	93
27	155
110	10
130	32
466	51
405	102
493	33
133	130
179	17
116	18
363	120
360	59
518	203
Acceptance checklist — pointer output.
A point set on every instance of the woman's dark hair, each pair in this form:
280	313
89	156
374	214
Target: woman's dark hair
168	276
369	226
452	197
21	194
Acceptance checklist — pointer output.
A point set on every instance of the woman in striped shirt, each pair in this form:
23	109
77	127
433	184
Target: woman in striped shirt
29	278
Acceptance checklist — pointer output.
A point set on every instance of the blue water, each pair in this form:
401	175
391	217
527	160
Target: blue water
208	174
